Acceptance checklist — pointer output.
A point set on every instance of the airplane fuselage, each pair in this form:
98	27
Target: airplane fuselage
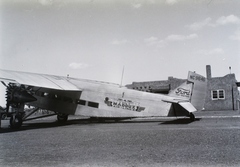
99	99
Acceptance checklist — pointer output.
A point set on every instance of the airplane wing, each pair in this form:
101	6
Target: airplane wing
37	80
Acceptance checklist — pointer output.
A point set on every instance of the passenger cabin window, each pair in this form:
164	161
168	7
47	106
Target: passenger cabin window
81	102
93	104
218	94
45	94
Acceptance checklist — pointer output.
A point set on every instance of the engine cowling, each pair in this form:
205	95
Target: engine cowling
18	95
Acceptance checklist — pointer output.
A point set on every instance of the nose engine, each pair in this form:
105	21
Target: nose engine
16	97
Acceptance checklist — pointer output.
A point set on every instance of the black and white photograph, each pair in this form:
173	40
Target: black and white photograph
119	83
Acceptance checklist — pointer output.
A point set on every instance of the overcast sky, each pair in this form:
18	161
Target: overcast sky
94	39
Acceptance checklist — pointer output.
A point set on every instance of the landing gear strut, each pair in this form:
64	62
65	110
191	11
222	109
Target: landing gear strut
192	117
16	121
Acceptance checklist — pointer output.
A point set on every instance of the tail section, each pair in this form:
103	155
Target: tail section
199	90
193	90
184	91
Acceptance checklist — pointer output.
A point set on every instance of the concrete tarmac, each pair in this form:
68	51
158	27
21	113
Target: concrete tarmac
212	140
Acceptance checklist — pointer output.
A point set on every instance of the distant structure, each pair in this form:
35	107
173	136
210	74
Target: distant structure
163	86
222	92
208	71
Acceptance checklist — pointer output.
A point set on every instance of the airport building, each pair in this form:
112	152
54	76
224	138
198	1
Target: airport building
222	92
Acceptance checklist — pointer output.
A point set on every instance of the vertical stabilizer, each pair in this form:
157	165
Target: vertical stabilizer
184	91
199	89
194	90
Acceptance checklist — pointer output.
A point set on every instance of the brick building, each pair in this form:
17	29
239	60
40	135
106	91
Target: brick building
163	86
222	92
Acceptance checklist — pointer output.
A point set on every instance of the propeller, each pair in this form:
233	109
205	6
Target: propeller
17	94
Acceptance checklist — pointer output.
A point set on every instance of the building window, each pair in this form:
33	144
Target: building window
218	94
214	94
221	94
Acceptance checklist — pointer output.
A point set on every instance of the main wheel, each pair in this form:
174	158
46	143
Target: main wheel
62	118
4	116
16	121
192	117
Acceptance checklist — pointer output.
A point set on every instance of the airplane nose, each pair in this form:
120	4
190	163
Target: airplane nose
22	97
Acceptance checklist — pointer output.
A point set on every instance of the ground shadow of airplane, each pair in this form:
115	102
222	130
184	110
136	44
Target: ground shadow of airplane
179	121
42	125
52	124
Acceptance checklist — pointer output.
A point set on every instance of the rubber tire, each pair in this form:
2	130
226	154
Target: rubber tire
4	116
17	122
62	118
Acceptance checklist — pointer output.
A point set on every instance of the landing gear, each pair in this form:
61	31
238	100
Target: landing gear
16	121
192	117
62	118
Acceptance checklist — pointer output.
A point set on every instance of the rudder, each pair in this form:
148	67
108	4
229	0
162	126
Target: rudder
199	89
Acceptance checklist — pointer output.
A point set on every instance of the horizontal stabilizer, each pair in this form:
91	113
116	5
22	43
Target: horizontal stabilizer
188	106
184	103
170	100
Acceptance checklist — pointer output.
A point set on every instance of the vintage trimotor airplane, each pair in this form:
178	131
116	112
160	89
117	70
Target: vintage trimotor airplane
70	96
